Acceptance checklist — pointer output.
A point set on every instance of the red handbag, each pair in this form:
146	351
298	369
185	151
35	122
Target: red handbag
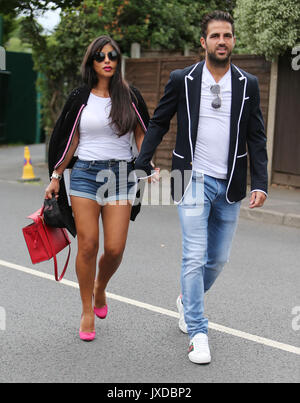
44	242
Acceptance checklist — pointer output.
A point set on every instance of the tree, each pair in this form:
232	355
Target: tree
12	8
10	25
267	28
169	24
13	40
17	6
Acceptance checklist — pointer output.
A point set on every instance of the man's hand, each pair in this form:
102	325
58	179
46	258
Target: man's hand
154	178
257	199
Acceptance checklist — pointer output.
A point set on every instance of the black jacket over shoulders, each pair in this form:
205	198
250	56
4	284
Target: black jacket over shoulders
62	136
247	134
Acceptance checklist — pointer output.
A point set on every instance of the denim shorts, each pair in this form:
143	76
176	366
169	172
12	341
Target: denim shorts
104	181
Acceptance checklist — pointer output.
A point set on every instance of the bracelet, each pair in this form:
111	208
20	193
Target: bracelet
55	175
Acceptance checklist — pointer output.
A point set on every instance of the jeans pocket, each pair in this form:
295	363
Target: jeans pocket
82	165
193	200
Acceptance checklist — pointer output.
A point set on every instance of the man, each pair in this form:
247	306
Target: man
219	123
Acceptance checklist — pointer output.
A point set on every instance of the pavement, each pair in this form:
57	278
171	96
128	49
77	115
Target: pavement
282	206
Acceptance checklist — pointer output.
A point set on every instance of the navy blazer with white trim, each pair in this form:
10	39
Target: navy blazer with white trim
247	134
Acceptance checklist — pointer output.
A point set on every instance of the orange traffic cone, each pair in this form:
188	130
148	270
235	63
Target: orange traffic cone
28	173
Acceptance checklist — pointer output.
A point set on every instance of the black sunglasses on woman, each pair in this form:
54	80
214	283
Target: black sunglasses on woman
100	56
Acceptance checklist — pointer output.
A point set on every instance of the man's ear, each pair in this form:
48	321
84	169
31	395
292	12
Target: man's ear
234	41
202	41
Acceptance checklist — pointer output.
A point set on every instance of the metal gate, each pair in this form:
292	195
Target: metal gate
20	100
4	83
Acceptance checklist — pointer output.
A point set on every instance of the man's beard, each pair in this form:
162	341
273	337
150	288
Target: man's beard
218	62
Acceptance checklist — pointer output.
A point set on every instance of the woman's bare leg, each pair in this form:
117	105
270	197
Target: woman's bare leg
115	219
86	215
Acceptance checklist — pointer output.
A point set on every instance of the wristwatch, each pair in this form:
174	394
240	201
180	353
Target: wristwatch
55	175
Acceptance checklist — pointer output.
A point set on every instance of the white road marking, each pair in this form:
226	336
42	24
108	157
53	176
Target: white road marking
162	311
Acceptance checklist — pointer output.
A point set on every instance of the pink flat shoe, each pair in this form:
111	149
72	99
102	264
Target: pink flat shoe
85	336
101	312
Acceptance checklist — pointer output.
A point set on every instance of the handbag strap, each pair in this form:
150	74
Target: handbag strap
54	256
56	268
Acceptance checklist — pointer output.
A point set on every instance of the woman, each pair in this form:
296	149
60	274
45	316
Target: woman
99	120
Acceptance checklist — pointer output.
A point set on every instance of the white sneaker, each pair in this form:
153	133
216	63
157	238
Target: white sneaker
181	323
199	352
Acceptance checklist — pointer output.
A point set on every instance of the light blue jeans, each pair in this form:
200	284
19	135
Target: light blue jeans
208	224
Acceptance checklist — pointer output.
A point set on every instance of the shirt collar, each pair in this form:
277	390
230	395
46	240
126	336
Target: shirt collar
208	78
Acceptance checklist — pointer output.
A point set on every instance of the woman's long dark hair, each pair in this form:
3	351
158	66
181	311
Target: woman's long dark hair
122	115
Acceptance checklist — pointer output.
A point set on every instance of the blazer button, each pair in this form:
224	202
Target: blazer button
191	163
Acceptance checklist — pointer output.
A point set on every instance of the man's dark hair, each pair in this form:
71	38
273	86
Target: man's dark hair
216	16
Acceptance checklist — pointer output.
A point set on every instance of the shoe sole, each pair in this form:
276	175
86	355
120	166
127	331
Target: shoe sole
195	361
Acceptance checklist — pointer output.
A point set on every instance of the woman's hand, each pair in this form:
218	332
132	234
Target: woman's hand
52	188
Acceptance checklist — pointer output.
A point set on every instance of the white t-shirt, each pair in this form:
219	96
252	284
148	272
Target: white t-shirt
97	140
213	138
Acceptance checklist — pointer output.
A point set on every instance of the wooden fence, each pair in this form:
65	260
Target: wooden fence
286	161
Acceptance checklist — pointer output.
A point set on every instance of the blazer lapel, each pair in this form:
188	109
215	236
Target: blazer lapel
238	81
193	96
